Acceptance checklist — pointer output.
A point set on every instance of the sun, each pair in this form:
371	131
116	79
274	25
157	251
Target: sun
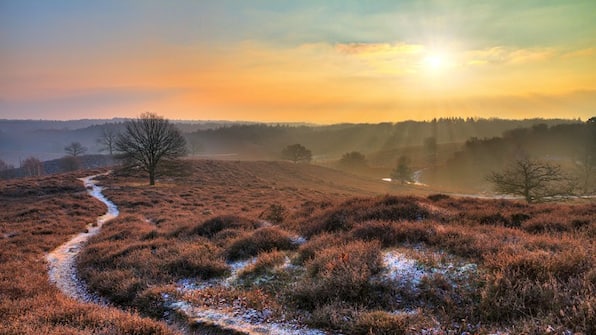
435	62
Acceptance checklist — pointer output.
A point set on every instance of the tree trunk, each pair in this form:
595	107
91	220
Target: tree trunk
152	176
527	195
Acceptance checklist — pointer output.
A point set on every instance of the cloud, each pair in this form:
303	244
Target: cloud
580	53
383	49
501	55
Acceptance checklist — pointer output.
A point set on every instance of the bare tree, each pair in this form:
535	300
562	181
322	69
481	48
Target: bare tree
353	160
75	149
296	153
32	167
402	171
149	140
532	179
107	139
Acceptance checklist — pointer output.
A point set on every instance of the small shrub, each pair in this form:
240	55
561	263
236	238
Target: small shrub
276	213
264	263
391	208
213	226
339	273
150	302
333	221
436	290
437	197
517	219
494	219
334	315
379	323
543	225
308	250
580	224
382	231
263	239
506	298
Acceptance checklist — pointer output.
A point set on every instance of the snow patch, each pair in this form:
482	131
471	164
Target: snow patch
406	272
234	317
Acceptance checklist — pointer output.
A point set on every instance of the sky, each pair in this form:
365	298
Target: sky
298	61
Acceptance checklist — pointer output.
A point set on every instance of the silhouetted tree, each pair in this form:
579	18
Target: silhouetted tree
194	144
75	149
32	167
430	145
402	171
69	163
532	179
149	140
296	153
587	159
353	160
107	140
6	170
3	165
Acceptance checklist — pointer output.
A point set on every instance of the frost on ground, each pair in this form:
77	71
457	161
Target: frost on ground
62	268
406	272
400	270
247	322
234	316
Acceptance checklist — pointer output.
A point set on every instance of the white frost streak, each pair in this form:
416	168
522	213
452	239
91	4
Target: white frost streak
243	320
237	323
62	266
402	270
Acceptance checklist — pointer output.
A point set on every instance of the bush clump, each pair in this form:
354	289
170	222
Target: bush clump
264	264
263	239
379	323
194	260
276	213
214	225
339	273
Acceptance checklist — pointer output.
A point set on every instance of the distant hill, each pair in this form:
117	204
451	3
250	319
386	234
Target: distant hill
60	165
45	140
262	141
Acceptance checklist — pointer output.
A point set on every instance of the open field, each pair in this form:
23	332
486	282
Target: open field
37	215
297	248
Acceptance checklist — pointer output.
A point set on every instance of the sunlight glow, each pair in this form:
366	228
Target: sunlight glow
436	62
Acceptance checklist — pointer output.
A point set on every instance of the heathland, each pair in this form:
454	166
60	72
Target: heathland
294	248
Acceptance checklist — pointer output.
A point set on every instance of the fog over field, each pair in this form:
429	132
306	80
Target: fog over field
452	154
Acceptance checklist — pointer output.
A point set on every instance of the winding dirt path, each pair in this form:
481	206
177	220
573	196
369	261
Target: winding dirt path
62	266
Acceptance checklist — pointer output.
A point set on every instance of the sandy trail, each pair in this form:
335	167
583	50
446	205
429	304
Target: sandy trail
62	266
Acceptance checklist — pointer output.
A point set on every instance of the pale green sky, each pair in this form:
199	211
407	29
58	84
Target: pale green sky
315	61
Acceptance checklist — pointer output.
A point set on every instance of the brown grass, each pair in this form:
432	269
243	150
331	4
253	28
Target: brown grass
38	214
535	263
261	240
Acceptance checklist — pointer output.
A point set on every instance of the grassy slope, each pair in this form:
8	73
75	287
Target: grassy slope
167	232
536	262
37	215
